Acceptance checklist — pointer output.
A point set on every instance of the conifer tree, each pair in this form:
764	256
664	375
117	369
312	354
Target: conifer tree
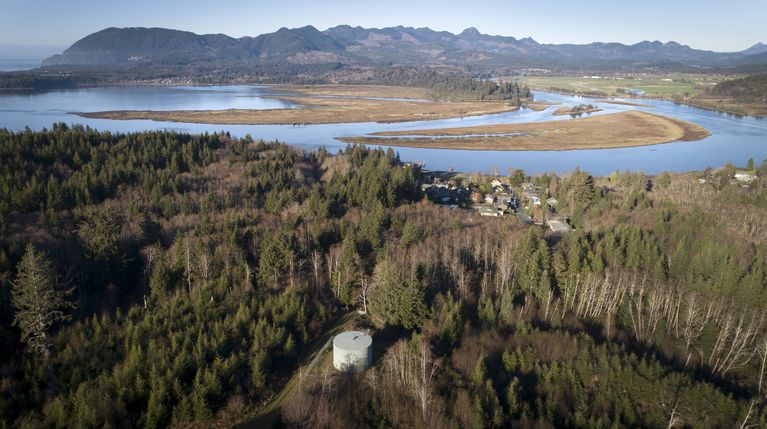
38	301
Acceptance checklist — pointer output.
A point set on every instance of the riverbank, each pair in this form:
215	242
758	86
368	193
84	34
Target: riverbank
319	110
625	129
728	105
623	103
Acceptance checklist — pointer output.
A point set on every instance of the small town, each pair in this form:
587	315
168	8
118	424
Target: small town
496	197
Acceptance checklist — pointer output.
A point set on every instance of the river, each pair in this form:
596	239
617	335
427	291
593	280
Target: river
734	138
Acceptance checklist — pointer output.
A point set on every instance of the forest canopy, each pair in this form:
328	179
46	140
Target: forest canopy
189	278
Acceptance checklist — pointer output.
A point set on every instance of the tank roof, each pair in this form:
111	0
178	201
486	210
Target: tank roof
352	340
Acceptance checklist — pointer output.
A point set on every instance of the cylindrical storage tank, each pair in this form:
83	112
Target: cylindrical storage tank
352	351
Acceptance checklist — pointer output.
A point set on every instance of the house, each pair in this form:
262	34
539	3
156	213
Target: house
503	207
529	190
496	183
742	176
490	199
536	201
558	226
529	187
488	211
552	202
476	197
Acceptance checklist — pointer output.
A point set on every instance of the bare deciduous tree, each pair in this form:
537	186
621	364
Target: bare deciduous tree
413	369
734	346
362	297
316	261
762	351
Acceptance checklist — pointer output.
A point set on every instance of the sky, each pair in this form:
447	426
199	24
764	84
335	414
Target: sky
44	27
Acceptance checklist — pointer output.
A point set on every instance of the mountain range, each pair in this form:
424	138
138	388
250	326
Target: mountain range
385	46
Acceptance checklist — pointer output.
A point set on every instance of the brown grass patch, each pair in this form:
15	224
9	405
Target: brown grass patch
319	111
625	129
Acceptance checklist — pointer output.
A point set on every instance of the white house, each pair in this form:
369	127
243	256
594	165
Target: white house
744	177
558	226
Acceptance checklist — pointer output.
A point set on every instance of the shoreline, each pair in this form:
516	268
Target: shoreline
326	104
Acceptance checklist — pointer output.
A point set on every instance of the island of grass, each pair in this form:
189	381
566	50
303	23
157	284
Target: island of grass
576	110
326	110
625	129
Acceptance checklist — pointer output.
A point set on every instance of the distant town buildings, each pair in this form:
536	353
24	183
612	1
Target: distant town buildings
742	176
501	200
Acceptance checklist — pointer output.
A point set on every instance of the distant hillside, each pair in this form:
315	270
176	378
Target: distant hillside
125	45
751	89
392	45
285	42
759	48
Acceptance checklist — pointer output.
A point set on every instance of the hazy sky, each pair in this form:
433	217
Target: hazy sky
719	25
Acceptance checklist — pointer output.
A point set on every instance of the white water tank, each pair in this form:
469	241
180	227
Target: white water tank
352	351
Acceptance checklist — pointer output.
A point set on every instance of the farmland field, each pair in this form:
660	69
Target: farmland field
660	85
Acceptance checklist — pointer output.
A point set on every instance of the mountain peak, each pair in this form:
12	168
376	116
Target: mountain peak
757	48
471	31
528	41
406	45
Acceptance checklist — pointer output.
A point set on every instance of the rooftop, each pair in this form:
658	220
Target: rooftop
352	340
558	226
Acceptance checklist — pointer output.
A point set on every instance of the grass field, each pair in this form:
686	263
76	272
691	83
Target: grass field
660	85
322	111
625	129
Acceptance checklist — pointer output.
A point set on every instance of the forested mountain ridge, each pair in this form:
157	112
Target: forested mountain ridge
124	45
372	46
196	269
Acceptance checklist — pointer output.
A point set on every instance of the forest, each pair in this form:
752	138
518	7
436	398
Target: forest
161	279
449	86
750	89
201	73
